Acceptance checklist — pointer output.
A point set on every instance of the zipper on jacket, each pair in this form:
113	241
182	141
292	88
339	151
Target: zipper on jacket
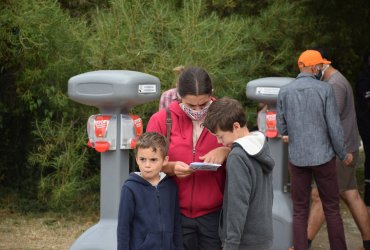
160	215
192	185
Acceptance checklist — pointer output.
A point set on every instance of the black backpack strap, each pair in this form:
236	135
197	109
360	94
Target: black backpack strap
168	123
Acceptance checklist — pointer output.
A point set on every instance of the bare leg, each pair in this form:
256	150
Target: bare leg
358	210
316	217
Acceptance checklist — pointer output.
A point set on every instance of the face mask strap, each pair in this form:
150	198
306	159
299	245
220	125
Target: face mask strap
323	71
325	68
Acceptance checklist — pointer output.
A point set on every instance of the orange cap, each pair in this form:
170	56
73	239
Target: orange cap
310	58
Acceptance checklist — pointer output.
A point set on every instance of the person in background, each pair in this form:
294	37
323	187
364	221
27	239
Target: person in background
200	191
346	174
170	95
261	117
307	114
362	92
246	221
149	215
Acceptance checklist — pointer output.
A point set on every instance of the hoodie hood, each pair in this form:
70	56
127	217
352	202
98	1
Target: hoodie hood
136	177
255	145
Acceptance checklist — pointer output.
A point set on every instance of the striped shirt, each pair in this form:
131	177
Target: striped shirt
167	98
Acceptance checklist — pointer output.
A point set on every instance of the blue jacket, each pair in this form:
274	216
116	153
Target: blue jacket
149	216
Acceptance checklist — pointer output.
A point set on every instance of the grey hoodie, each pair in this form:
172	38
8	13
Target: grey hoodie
246	219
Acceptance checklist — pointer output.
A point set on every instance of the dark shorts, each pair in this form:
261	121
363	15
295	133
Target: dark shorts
346	174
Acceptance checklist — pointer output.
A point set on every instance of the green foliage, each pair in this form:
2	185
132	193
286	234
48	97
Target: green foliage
344	31
83	7
43	43
241	7
62	157
154	37
43	47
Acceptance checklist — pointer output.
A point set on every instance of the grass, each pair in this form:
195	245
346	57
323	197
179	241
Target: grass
42	230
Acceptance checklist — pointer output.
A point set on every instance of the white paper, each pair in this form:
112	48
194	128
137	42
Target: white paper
204	166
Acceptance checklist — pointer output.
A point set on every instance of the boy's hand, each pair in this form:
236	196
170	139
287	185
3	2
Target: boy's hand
217	155
181	169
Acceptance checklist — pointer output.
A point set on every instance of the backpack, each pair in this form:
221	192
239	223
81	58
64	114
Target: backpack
168	123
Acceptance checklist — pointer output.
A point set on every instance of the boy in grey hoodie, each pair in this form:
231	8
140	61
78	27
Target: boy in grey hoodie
246	218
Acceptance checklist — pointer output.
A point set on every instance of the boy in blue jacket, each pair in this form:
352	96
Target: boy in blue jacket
149	214
246	218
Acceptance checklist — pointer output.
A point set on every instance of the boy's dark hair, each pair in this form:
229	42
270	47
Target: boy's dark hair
194	81
222	114
325	52
152	140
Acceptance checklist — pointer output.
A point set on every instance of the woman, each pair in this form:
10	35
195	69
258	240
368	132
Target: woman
200	191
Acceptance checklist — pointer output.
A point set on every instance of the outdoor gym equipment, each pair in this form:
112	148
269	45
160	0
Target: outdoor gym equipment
111	132
265	90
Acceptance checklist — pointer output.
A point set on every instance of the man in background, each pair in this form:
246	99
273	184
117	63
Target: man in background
363	118
347	182
307	114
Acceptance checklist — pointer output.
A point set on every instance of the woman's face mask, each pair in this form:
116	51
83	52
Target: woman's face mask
195	115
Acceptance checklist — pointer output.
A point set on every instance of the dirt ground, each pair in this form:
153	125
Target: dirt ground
55	231
41	231
353	236
59	231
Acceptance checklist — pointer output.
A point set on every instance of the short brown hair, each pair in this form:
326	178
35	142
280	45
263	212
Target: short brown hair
153	140
222	114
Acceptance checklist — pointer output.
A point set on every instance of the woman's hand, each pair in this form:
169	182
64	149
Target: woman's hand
181	169
217	155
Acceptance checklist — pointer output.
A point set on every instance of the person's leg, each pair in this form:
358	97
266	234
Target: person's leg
208	237
365	136
327	184
301	178
367	171
347	183
358	210
189	233
316	217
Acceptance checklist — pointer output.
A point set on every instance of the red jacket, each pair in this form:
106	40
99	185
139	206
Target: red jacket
201	192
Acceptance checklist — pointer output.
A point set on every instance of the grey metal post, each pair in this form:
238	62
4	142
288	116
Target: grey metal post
265	90
113	92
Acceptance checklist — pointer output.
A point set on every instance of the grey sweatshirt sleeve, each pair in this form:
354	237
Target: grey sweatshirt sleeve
334	125
238	193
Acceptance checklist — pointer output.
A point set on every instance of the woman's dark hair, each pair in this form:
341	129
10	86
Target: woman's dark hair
194	81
